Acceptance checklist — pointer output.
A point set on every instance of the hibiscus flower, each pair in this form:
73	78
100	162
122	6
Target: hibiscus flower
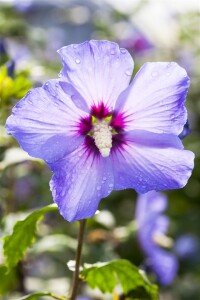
98	132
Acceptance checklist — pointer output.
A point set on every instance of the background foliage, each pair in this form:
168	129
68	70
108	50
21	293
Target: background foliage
31	32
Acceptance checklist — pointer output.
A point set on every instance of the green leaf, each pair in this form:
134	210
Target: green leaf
16	87
8	280
35	296
106	276
23	236
21	86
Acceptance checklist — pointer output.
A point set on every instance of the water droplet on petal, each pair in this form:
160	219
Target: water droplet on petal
154	74
74	46
110	185
77	61
128	73
112	52
104	178
123	51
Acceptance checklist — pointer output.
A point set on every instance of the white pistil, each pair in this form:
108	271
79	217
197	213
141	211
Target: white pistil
103	137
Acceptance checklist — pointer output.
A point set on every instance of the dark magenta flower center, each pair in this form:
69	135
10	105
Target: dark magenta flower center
102	114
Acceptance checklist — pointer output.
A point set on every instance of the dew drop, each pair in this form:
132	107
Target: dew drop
154	74
74	46
123	51
112	52
77	61
128	73
104	178
110	185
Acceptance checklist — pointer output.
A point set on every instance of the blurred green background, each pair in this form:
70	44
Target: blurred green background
30	33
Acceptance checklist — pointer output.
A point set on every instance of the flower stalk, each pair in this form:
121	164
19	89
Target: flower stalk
75	281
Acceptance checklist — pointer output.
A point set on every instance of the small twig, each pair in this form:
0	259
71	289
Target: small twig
75	281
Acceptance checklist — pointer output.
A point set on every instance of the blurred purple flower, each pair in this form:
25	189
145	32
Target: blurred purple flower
3	50
23	6
10	68
137	43
186	131
97	133
187	246
152	226
4	58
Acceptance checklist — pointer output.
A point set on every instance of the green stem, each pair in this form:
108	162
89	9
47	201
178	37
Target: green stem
75	281
58	298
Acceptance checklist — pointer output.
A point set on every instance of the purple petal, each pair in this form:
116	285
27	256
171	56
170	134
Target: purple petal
98	70
150	221
45	123
152	162
151	230
151	203
155	100
165	266
161	224
145	236
78	100
80	181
